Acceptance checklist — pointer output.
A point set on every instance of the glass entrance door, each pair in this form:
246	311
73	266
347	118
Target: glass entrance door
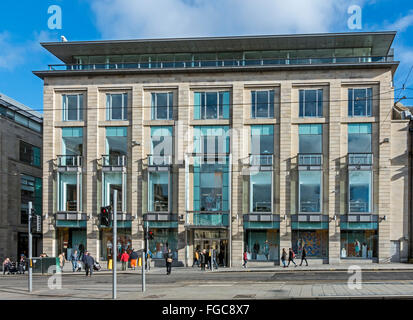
220	245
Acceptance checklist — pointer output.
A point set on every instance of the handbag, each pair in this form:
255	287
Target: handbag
169	260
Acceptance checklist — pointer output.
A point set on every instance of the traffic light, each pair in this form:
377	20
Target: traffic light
149	235
106	216
36	222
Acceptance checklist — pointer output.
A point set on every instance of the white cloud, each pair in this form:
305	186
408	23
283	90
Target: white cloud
183	18
403	23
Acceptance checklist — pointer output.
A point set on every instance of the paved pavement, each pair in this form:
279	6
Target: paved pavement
318	282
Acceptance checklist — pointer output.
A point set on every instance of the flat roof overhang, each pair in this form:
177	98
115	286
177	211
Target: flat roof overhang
77	73
380	42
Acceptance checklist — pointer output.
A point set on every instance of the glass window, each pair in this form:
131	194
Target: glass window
359	102
261	192
211	139
311	103
359	137
360	191
262	139
310	191
262	245
162	106
30	190
68	192
211	105
314	241
310	138
359	244
29	154
73	107
161	140
116	145
113	181
117	106
262	104
72	145
158	192
163	239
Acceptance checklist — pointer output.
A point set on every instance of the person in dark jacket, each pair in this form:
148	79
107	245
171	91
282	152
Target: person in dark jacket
284	258
88	261
214	259
203	258
291	256
168	260
133	258
74	257
22	264
304	256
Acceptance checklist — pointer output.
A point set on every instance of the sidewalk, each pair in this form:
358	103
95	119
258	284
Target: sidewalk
318	267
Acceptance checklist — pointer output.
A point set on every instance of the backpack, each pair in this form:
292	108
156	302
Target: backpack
293	255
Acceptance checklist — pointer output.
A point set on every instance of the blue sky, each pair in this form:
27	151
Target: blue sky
24	24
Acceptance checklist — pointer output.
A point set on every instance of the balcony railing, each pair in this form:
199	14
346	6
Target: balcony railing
160	206
71	206
310	159
114	160
262	206
222	63
209	219
359	206
154	160
69	161
310	206
360	159
261	159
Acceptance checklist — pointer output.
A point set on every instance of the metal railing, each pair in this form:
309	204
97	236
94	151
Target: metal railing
310	206
69	161
359	206
262	206
155	160
360	159
310	159
114	160
261	159
220	63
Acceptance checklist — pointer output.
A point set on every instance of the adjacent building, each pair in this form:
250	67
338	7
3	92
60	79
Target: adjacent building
253	143
20	176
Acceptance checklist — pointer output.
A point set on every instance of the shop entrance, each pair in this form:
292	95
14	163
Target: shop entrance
213	239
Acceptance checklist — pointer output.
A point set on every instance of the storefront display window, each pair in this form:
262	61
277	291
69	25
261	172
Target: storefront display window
164	239
314	241
124	242
262	245
359	244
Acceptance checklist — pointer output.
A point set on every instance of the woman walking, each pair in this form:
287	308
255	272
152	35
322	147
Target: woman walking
245	258
168	260
303	257
291	256
284	258
124	258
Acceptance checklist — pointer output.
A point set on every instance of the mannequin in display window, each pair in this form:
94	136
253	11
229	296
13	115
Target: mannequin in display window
343	253
364	250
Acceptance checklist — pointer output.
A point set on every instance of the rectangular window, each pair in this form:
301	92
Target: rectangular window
72	145
72	107
359	138
359	244
360	191
261	192
262	104
69	192
311	103
359	102
30	190
30	154
310	138
161	141
262	139
211	105
211	139
158	192
113	181
116	146
310	191
117	106
162	106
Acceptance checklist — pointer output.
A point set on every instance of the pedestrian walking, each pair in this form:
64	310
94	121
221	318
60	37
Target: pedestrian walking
196	259
74	257
209	259
291	256
148	259
124	258
88	261
203	259
168	260
304	256
133	258
245	258
22	264
214	258
62	261
284	258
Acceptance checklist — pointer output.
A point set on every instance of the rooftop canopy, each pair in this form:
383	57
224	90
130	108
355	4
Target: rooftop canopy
378	42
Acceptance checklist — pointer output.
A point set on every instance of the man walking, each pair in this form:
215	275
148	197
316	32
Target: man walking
203	259
74	258
168	260
303	257
196	259
88	261
133	258
214	258
124	258
291	256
